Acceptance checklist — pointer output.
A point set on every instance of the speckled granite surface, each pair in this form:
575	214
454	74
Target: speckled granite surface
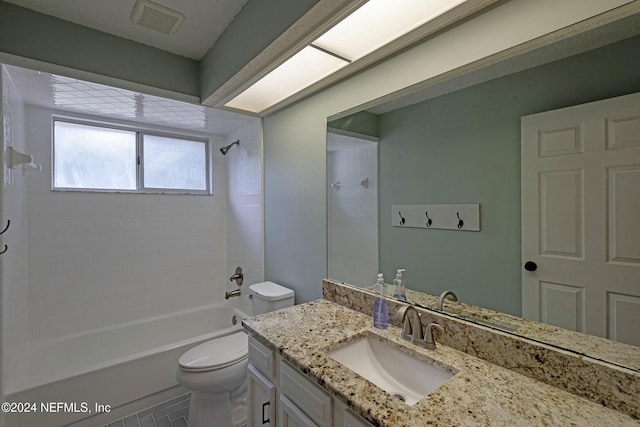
480	393
610	385
589	345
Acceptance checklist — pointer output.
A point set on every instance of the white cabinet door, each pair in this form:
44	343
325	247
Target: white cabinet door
351	420
291	416
581	218
261	395
316	403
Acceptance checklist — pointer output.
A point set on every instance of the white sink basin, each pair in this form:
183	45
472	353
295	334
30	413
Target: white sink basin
392	370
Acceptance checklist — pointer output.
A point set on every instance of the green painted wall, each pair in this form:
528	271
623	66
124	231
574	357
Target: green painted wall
33	35
295	137
247	35
465	148
363	122
36	36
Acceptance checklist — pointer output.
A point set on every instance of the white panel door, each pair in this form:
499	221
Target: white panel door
581	218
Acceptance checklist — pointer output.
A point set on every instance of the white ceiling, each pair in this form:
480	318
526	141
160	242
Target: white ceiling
73	95
204	21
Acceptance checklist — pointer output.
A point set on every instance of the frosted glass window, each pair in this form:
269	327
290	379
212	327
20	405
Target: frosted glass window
91	157
174	163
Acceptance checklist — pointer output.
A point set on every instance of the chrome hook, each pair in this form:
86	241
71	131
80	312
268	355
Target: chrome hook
7	227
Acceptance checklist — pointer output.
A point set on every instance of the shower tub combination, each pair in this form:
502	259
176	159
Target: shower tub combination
112	366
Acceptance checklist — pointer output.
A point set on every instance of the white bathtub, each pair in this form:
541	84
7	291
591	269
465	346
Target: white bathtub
112	366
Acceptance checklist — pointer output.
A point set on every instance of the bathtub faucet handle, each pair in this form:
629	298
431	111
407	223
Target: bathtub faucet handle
237	276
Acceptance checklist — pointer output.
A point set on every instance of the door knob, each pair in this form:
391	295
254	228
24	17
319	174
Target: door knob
530	266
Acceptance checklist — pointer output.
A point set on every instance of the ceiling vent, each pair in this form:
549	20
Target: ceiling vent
156	17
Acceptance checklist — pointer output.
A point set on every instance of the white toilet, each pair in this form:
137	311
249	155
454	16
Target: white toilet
216	371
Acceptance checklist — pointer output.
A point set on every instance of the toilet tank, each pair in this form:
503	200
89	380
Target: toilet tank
269	296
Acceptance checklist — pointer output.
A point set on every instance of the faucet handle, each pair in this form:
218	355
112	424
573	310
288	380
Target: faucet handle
238	276
407	330
429	341
411	324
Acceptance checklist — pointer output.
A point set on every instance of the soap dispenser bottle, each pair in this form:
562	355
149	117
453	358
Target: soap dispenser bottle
380	307
398	285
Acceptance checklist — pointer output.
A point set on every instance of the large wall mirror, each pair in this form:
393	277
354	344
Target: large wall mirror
460	142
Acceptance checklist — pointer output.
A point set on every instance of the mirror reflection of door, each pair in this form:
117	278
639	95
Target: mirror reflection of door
581	218
352	206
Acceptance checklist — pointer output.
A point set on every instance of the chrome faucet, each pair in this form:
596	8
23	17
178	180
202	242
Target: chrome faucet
412	328
429	341
411	324
230	294
450	295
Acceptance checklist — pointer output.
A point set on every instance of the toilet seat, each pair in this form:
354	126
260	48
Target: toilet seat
216	354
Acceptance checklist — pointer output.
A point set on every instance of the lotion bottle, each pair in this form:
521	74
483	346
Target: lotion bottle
398	285
380	307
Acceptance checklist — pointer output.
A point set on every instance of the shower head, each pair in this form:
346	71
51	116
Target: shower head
225	150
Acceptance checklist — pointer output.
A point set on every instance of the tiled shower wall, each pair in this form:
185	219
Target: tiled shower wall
353	214
99	259
245	244
13	311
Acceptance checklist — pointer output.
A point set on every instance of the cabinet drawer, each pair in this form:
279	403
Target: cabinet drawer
262	358
306	395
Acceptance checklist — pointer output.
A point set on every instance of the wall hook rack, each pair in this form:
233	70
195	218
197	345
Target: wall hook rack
453	216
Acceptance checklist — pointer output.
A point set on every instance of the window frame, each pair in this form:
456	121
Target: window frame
140	131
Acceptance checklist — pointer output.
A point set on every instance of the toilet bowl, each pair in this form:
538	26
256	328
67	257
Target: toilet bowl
216	371
216	374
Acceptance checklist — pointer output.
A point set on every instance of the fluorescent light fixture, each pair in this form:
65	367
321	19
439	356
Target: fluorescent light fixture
372	26
379	22
304	68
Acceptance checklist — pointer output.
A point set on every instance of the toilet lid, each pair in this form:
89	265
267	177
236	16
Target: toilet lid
216	354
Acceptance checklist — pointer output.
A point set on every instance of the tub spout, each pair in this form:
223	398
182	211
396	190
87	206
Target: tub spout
235	293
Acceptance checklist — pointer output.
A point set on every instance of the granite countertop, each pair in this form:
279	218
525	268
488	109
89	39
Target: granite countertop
479	394
590	345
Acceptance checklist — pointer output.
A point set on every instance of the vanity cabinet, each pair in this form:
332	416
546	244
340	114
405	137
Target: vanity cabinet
262	393
280	395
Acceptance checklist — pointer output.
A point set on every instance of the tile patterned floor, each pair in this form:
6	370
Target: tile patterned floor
172	413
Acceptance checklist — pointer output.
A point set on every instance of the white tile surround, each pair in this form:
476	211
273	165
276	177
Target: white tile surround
13	319
353	213
245	239
90	260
